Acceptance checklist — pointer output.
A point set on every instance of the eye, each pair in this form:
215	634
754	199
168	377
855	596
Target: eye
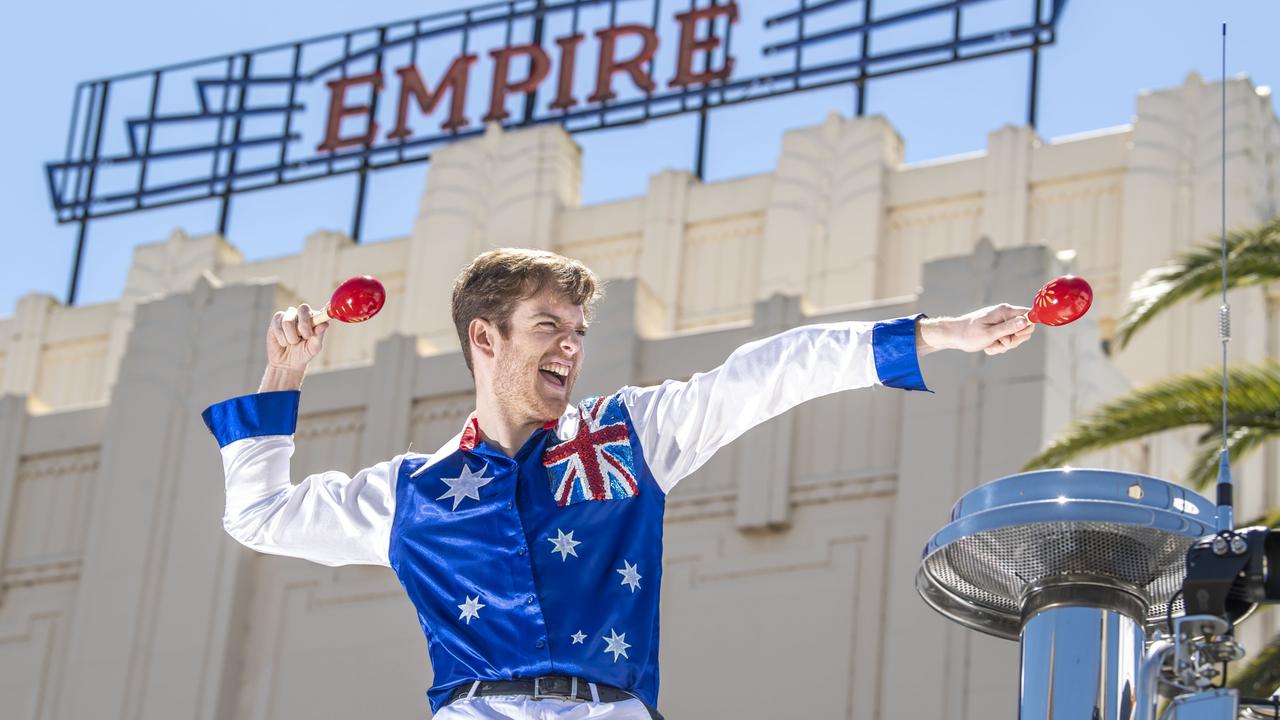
582	333
547	323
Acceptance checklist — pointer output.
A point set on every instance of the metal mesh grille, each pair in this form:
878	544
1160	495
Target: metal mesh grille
995	567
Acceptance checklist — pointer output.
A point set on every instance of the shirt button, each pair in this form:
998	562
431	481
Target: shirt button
540	644
508	506
528	599
523	550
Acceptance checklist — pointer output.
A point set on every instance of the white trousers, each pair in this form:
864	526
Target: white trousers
522	707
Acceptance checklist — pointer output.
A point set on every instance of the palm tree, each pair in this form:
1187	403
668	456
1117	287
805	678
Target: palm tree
1195	400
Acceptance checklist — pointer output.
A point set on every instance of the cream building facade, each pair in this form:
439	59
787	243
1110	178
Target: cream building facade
790	557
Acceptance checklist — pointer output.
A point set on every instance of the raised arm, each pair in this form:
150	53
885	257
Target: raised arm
681	424
329	518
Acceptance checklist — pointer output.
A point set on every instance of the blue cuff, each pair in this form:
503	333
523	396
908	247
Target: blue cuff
268	413
893	342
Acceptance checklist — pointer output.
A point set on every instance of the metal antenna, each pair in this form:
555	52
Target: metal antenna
1226	521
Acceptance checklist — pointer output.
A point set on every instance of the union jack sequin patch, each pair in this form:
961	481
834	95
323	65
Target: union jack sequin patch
597	463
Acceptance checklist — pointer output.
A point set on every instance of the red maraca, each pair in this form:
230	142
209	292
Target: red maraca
356	300
1061	300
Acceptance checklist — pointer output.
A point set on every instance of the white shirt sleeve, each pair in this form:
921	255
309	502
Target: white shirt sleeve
328	518
681	424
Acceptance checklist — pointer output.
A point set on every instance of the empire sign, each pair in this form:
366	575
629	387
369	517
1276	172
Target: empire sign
455	79
223	126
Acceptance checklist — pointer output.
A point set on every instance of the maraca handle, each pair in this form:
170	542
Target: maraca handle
321	316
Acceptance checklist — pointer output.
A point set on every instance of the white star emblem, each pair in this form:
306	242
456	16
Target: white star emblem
578	637
470	608
617	644
630	575
564	544
465	486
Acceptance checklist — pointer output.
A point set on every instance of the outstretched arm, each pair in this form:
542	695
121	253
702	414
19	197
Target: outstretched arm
681	424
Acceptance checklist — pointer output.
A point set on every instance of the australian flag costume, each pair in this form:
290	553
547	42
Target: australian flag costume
547	563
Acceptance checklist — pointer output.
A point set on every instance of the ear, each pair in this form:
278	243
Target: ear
482	335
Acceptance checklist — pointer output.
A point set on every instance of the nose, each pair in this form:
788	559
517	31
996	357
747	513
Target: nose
571	343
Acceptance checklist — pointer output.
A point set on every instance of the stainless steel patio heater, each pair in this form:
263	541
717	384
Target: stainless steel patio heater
1079	566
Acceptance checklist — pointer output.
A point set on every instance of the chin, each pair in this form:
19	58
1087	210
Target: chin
552	408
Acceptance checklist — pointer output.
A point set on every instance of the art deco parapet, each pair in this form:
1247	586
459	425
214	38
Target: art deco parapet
1006	185
25	341
826	211
841	220
501	190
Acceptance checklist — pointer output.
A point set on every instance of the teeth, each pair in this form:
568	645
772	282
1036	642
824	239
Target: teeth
560	370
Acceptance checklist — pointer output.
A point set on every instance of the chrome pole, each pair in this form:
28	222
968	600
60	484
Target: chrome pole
1082	651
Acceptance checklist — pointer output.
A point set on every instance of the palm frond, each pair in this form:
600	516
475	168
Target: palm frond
1261	676
1241	441
1253	257
1183	401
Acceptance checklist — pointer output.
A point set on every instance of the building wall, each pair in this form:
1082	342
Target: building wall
790	557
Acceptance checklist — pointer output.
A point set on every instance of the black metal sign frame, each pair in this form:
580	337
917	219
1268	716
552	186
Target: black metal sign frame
234	94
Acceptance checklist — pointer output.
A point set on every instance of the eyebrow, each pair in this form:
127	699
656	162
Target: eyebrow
556	318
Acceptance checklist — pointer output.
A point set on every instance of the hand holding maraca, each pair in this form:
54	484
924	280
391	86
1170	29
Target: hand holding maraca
993	330
1000	328
293	339
296	335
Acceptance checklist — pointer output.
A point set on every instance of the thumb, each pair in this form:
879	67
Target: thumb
1009	327
317	340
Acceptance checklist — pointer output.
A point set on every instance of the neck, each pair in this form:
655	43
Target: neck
500	427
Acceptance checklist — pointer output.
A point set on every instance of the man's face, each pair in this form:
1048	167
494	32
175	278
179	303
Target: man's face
537	364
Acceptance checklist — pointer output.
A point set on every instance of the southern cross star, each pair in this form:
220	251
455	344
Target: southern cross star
630	575
578	637
466	485
470	608
564	544
617	644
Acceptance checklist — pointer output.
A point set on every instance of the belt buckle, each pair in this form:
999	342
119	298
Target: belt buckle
538	694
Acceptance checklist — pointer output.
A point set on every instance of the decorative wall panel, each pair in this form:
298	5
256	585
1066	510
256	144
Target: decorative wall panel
919	233
719	271
435	420
328	441
50	517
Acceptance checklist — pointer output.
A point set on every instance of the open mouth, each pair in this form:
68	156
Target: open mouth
556	375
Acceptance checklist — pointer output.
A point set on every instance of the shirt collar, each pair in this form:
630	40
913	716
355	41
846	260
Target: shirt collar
470	436
471	432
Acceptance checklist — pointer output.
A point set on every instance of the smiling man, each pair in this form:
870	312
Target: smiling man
531	542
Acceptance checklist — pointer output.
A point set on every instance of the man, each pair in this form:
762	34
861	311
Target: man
531	543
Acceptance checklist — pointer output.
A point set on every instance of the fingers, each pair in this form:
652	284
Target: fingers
1010	325
276	331
293	340
1006	343
294	326
305	327
289	324
316	340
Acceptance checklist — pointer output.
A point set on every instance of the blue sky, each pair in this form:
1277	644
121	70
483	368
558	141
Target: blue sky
1107	51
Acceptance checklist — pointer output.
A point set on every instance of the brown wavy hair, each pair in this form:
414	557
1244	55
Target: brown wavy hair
496	281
